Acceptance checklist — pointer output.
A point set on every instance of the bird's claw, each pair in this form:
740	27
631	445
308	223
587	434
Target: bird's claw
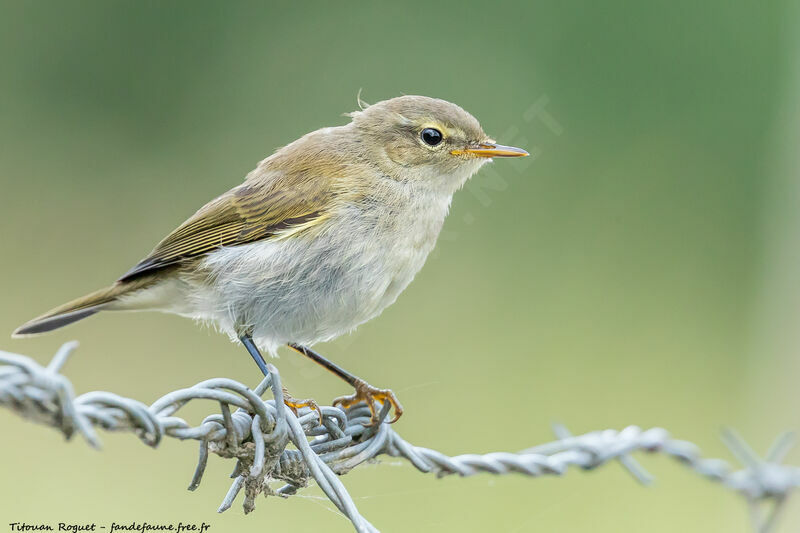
294	404
369	394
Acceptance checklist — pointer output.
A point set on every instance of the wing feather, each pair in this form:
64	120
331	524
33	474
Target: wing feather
258	209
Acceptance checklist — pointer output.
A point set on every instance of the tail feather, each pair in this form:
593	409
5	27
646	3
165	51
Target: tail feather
79	308
43	324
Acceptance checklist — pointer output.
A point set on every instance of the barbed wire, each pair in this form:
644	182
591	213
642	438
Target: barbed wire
273	444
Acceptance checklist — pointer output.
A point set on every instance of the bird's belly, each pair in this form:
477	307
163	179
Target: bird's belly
304	290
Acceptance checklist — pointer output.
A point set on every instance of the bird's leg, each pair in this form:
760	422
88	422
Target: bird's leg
291	402
252	349
363	390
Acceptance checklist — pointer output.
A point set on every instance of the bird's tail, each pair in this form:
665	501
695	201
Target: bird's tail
80	308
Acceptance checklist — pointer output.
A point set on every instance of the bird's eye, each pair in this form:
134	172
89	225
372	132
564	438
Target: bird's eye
431	136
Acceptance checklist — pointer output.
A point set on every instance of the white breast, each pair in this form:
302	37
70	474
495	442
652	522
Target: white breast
310	289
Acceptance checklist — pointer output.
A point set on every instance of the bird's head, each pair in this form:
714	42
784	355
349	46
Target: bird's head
421	139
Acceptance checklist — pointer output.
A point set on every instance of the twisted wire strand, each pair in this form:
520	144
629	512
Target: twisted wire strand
272	444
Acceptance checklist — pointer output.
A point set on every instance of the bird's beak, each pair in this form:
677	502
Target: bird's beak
491	150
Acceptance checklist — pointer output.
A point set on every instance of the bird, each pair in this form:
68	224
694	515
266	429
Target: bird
319	238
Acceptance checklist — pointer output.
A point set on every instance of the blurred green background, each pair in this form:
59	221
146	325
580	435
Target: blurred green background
640	269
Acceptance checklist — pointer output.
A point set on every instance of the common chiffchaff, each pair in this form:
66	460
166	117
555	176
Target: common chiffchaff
321	236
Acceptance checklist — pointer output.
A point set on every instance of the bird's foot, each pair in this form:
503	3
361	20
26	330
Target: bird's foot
369	394
294	404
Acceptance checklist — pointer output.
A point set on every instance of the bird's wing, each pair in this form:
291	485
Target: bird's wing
255	210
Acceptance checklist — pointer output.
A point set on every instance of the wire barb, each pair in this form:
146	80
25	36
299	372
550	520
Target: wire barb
272	444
